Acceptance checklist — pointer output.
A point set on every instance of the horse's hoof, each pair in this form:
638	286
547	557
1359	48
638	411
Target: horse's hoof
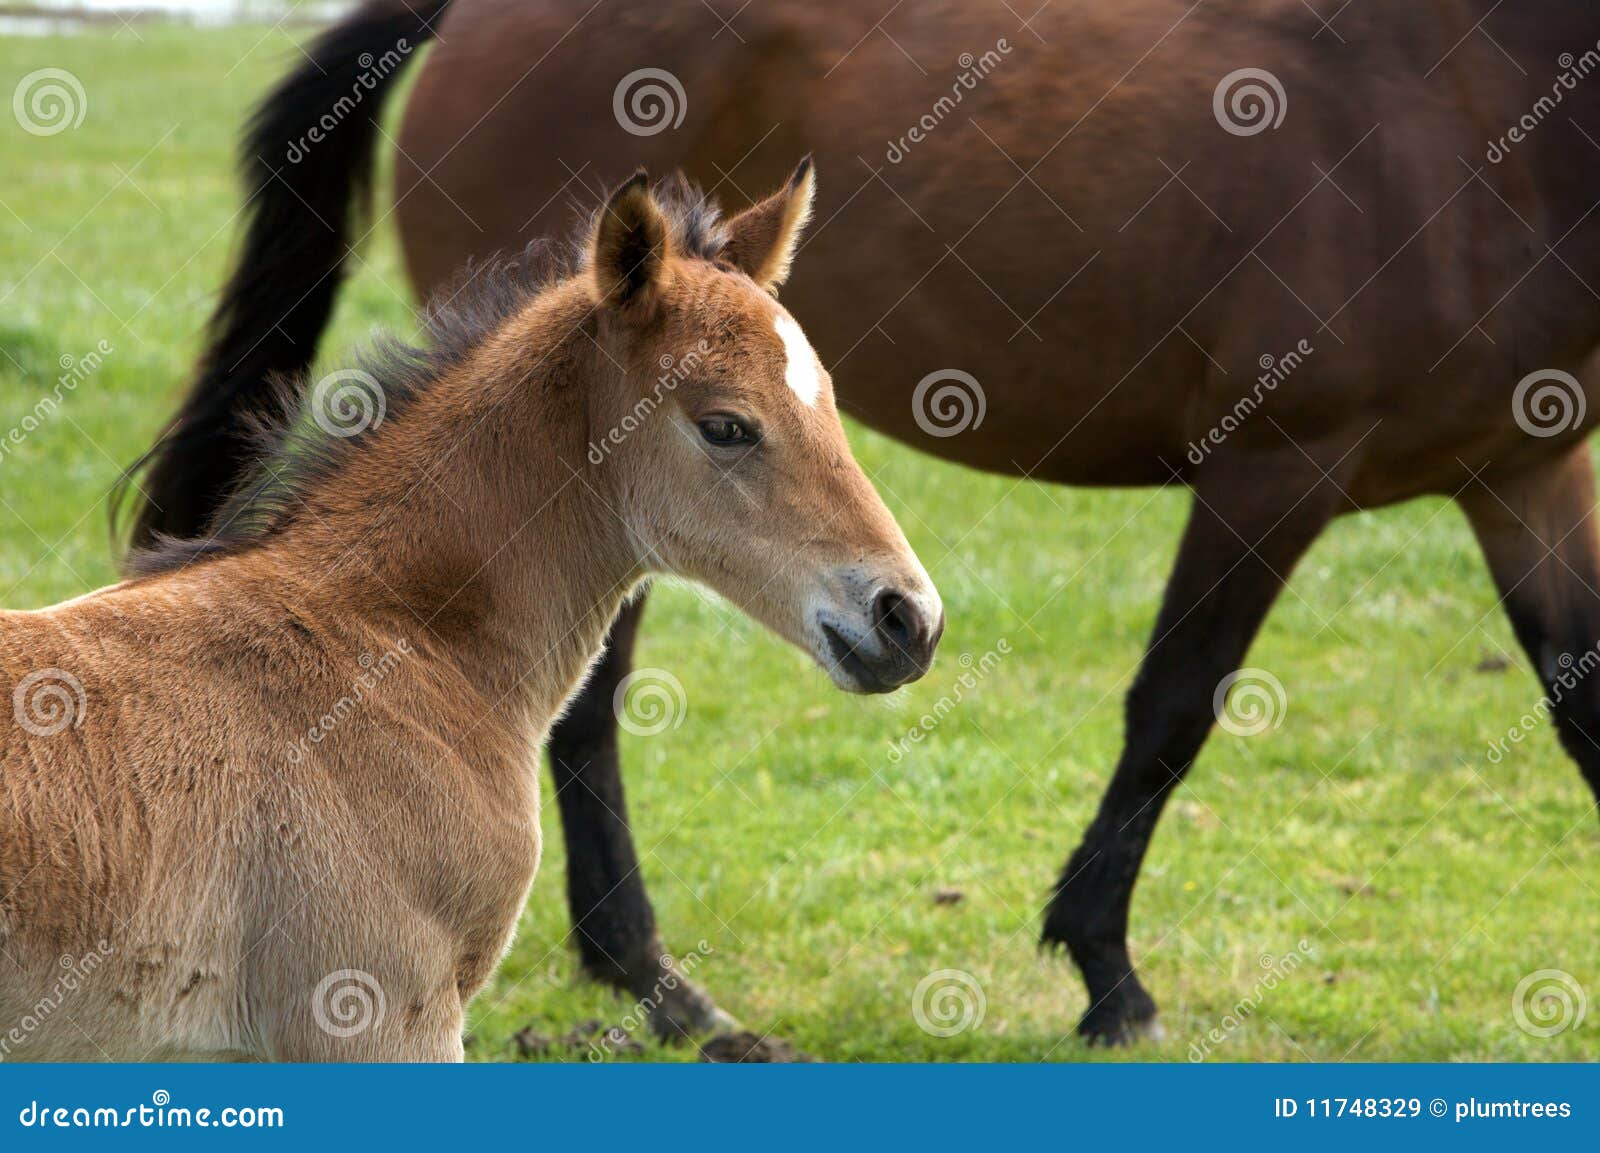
1117	1030
746	1048
686	1011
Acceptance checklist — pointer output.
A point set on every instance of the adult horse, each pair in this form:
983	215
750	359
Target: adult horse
1301	267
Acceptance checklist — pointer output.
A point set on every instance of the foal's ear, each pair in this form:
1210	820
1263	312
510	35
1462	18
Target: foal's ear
762	238
631	249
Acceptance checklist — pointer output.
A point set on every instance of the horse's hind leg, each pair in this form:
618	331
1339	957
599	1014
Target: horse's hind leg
1537	529
611	912
1247	529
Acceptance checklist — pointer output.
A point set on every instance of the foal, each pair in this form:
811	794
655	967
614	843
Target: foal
278	796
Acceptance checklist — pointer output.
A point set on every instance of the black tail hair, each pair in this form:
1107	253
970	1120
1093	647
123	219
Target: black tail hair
306	159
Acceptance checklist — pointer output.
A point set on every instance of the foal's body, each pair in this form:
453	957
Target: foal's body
233	864
294	812
176	822
222	876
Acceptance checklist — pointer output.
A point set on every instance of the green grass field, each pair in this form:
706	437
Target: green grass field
773	823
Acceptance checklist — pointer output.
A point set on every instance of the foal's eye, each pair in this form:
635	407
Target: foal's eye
726	431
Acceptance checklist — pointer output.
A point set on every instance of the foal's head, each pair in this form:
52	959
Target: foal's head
715	437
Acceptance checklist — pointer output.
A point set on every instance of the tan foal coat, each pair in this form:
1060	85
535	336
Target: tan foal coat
281	801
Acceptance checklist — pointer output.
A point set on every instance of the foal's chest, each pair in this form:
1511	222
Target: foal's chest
492	874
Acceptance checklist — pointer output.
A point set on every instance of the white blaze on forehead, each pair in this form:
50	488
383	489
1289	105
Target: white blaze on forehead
802	373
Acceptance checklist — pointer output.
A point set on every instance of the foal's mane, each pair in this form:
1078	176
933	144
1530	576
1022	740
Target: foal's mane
296	453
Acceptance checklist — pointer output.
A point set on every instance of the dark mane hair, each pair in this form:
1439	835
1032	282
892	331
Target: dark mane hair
299	449
693	220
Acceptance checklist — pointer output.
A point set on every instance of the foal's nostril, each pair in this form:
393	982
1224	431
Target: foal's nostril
896	618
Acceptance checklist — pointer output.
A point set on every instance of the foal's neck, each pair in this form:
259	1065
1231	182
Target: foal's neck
467	524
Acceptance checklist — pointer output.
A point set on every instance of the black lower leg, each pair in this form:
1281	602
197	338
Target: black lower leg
613	920
1538	532
1230	567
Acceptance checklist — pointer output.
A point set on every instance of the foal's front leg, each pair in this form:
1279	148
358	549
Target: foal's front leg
611	912
1242	540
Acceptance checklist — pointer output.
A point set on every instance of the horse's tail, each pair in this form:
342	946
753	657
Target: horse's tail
306	159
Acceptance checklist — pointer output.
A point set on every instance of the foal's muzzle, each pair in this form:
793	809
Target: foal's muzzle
891	645
908	632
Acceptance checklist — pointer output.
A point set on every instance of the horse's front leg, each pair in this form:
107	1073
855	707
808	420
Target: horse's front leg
1242	540
616	926
1539	534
